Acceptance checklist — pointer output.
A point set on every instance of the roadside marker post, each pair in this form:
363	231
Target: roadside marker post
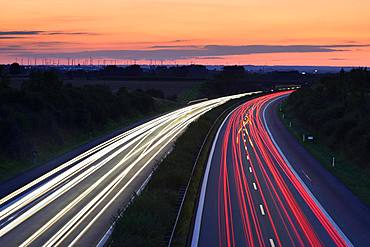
333	161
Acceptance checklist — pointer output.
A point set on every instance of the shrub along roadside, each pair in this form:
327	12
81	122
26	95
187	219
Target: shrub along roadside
355	177
12	167
151	216
337	110
45	118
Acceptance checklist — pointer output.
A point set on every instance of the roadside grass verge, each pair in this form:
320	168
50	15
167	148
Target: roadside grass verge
356	178
184	228
49	151
150	218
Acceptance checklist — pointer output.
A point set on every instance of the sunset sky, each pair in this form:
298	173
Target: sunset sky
261	32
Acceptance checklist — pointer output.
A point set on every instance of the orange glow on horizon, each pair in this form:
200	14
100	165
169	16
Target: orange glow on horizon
81	25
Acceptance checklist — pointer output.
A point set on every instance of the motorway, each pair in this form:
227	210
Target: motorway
261	188
75	203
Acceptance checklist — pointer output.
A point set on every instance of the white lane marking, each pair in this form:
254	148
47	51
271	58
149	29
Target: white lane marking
247	155
305	174
254	186
272	244
262	210
198	218
341	233
250	169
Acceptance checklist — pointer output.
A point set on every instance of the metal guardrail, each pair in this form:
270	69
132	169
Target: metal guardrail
197	101
104	240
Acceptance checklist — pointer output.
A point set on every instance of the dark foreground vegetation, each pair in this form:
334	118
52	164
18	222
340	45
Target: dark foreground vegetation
44	116
336	111
149	220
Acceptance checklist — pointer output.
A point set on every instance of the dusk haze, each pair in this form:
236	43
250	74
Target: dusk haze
331	32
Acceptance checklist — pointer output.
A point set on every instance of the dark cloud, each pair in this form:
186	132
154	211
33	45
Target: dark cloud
51	43
180	40
346	45
157	43
11	37
174	46
28	48
14	46
70	33
20	32
11	49
222	50
209	58
184	52
351	42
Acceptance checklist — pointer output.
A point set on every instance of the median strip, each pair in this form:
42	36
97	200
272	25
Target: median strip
151	216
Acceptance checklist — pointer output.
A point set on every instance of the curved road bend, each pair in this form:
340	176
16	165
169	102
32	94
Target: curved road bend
261	188
74	204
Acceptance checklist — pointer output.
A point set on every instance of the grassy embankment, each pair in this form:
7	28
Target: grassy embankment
45	118
47	151
354	176
151	217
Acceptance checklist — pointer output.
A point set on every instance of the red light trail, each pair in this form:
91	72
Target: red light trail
272	207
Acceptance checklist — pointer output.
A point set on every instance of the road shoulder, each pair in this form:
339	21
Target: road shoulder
352	216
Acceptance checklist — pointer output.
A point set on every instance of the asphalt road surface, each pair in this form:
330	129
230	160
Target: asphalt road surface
261	188
75	203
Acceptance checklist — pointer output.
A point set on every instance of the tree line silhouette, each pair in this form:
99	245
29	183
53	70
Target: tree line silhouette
337	109
45	111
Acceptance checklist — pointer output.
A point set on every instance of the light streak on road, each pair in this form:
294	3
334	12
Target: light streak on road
282	212
63	204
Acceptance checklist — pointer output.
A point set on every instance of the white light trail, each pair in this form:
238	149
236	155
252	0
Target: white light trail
141	144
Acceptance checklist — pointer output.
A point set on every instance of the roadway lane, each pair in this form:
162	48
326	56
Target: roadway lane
252	194
74	203
352	216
